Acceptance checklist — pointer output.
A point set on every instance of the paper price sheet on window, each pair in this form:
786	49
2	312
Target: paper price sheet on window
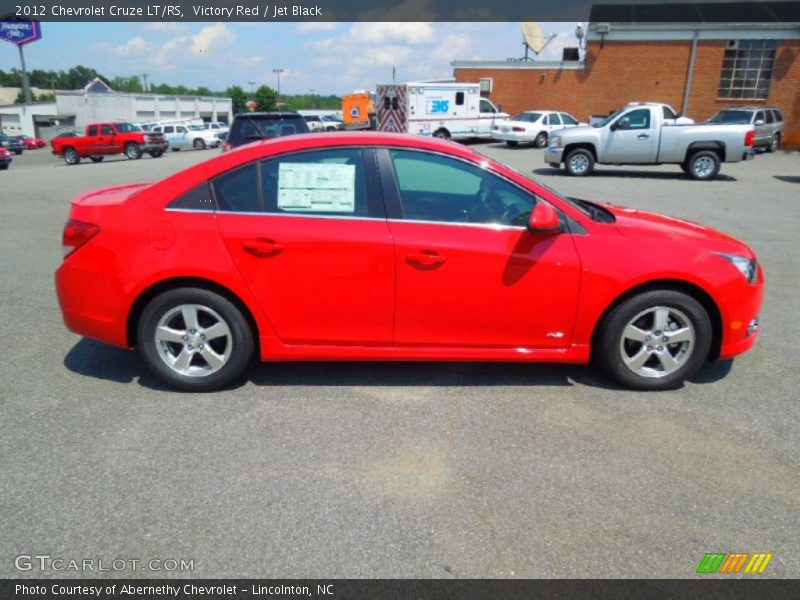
317	188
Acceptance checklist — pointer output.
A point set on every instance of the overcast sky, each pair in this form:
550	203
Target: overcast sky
327	57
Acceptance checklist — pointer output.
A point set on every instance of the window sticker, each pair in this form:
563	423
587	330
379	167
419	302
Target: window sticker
304	187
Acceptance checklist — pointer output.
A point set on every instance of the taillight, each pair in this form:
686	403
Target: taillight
750	138
76	234
226	146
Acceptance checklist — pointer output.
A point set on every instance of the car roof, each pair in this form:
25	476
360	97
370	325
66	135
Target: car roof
269	113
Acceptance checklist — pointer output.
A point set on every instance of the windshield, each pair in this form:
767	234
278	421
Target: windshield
607	120
126	127
527	117
741	117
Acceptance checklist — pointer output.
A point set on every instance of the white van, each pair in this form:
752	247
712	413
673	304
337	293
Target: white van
444	110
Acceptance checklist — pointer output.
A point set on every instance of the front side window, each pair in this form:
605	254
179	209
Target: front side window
486	106
323	182
568	119
107	130
747	69
441	189
553	119
635	119
169	129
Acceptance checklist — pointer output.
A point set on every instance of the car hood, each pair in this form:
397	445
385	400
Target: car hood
642	225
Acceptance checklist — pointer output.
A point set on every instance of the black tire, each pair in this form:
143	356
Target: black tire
541	140
4	167
209	306
17	152
156	153
442	134
774	143
610	350
133	151
579	162
96	159
685	168
71	156
511	143
199	144
176	149
704	165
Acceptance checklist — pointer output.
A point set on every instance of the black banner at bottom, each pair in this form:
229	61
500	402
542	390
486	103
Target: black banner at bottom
389	589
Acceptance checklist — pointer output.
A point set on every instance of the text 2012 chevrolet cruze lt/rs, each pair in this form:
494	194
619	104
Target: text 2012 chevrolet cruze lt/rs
381	247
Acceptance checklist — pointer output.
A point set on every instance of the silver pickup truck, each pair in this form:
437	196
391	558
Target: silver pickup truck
640	135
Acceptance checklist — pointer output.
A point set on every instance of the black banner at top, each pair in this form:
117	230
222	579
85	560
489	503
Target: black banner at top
753	11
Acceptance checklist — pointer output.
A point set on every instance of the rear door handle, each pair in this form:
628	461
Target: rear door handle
428	258
643	136
262	247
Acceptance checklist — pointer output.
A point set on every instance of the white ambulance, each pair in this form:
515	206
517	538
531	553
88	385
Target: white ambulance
445	110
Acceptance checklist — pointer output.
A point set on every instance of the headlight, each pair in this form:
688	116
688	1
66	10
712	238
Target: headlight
556	142
747	266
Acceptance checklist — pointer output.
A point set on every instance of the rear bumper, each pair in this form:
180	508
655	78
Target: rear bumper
522	137
749	154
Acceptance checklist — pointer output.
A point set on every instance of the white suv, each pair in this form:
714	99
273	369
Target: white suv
188	136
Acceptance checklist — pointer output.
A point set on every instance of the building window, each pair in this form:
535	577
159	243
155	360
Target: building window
747	69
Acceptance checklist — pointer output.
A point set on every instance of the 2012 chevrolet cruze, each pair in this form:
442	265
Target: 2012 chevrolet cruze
365	246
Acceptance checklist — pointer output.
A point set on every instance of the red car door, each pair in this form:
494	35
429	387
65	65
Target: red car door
308	234
469	273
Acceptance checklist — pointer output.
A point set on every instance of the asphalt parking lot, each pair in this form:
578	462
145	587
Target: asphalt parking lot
399	470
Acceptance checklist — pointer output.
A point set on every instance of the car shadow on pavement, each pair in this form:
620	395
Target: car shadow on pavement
711	372
788	178
630	174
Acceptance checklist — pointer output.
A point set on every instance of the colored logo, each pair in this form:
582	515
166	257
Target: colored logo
355	112
735	562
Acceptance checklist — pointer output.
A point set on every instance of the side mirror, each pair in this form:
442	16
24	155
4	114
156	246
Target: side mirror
759	122
544	218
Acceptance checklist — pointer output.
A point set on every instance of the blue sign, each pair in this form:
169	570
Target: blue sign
20	32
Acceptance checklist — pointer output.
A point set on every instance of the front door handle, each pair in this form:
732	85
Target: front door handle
262	247
427	258
643	136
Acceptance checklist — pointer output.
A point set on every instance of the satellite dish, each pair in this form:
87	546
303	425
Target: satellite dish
534	36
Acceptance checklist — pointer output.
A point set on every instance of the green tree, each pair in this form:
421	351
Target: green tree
266	97
238	98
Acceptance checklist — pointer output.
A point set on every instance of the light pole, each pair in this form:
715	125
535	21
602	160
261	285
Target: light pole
278	73
252	85
311	90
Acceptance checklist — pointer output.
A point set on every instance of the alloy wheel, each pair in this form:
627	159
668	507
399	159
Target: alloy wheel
193	340
657	342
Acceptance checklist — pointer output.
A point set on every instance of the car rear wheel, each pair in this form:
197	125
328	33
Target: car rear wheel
655	340
541	140
96	159
4	167
704	165
133	151
579	162
71	156
774	143
17	152
442	134
194	339
511	143
199	144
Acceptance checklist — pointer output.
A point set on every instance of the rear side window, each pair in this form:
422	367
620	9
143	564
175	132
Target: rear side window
198	198
759	116
252	128
459	98
778	115
237	191
92	130
324	182
770	117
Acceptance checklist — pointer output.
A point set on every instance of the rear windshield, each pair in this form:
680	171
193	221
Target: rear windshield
741	117
251	128
528	117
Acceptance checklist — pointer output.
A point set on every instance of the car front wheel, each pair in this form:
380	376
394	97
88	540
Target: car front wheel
133	151
579	162
199	144
194	339
655	340
71	156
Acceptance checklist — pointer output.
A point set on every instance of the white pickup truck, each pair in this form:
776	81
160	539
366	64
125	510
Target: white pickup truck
640	135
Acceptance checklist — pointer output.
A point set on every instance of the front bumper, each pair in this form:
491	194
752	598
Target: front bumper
741	310
150	146
553	155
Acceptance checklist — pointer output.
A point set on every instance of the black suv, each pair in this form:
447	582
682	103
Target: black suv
12	143
252	127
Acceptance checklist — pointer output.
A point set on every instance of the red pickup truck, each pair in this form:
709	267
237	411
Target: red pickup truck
102	139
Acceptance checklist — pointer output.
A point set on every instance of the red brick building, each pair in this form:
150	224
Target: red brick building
697	68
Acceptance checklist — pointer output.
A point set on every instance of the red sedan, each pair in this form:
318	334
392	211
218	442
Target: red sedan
367	246
32	143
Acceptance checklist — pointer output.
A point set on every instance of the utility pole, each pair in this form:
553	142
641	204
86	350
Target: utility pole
26	84
278	73
252	85
311	90
144	79
393	72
